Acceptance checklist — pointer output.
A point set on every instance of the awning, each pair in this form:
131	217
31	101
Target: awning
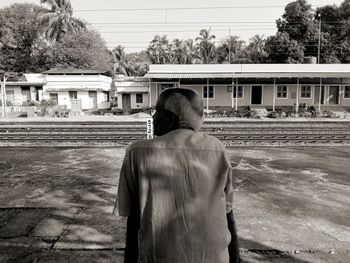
292	75
194	75
74	89
233	75
25	84
132	90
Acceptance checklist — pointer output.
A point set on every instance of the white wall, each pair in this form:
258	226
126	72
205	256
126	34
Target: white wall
143	105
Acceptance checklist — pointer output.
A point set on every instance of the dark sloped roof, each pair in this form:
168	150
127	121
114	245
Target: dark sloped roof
74	71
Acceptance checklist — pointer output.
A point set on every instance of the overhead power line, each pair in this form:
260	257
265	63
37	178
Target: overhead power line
184	8
173	31
180	23
183	22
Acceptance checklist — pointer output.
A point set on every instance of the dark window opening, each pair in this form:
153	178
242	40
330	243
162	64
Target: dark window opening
139	98
282	91
209	94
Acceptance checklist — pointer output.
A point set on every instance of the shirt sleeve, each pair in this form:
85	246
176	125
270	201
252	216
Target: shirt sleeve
127	190
229	186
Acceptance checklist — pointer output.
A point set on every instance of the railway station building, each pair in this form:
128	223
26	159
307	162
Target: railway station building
270	86
257	85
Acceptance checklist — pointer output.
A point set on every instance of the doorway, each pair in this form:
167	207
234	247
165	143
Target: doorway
93	99
256	97
333	97
126	101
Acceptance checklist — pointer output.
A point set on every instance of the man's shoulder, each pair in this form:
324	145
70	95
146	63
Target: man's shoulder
211	142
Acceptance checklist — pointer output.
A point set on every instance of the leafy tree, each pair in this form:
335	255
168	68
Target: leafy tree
138	62
159	50
256	49
19	33
345	50
281	49
345	9
183	51
84	50
296	20
58	19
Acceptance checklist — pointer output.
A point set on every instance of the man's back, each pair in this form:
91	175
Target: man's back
181	182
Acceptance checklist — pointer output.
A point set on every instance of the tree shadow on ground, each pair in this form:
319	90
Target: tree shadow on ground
263	253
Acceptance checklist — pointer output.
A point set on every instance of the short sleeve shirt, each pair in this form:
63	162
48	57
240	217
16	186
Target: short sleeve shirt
181	186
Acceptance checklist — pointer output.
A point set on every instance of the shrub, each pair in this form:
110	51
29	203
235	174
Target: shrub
117	111
273	115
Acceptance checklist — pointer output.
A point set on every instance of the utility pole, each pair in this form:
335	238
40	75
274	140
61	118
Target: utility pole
319	40
2	90
229	45
3	96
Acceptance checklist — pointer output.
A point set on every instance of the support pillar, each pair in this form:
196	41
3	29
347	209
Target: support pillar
274	95
150	93
2	100
5	97
207	96
297	97
232	87
236	102
319	97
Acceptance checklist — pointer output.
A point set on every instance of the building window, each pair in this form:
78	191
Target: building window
73	95
54	98
282	91
106	96
139	98
305	92
347	92
239	90
208	93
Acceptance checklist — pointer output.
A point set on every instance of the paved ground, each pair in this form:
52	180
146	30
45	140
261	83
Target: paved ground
291	205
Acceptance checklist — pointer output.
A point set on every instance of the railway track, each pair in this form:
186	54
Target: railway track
67	134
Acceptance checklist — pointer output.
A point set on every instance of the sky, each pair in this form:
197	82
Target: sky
134	23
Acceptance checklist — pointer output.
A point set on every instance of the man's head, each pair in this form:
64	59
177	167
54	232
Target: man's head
178	108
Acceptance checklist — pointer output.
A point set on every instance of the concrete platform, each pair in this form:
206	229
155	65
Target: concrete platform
291	205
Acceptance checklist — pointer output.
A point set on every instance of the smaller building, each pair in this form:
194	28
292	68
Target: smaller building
132	92
86	89
28	88
92	87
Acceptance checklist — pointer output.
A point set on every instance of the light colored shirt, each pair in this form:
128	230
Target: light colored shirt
182	185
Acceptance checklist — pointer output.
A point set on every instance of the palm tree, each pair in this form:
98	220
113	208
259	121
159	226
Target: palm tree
178	51
58	19
121	64
231	50
206	51
159	50
256	49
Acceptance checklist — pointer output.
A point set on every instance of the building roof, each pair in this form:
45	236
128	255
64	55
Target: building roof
168	71
15	83
74	71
